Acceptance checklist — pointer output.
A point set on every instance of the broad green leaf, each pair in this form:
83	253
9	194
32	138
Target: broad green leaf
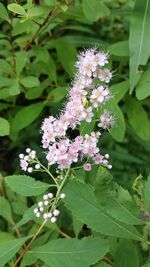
36	11
21	58
138	118
118	90
41	53
4	127
5	67
80	199
18	9
9	249
147	195
30	81
4	237
57	94
126	254
26	116
143	86
25	185
5	209
72	252
28	260
120	210
139	42
14	89
120	49
67	55
77	226
94	10
4	13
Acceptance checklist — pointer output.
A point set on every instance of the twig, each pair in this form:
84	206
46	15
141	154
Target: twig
43	25
106	259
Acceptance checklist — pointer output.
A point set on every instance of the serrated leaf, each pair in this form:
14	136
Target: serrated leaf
80	199
5	209
26	116
72	252
9	249
4	127
143	86
140	123
18	9
126	255
30	81
3	13
94	10
25	185
138	42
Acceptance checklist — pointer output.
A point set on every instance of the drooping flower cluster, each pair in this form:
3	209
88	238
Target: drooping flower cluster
47	207
88	92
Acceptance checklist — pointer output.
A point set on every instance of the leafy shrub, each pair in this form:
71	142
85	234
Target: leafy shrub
104	219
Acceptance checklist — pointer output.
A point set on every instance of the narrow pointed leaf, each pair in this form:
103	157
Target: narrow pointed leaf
139	42
9	249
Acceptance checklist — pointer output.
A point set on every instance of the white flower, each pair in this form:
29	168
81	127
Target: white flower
53	219
56	212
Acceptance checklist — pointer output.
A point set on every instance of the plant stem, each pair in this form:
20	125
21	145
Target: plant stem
43	224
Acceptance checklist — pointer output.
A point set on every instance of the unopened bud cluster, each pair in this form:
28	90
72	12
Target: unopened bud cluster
27	160
46	208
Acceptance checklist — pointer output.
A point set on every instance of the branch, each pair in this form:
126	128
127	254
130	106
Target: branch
42	26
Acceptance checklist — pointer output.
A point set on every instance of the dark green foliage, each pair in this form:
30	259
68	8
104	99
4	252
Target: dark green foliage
107	215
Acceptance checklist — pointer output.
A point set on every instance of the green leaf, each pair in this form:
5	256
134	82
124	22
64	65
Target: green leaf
120	209
143	86
94	10
5	209
30	81
126	255
67	55
9	249
27	216
139	42
14	89
119	127
138	118
41	53
3	13
4	236
21	58
147	194
72	252
118	90
26	116
25	185
4	127
80	199
15	8
120	49
57	94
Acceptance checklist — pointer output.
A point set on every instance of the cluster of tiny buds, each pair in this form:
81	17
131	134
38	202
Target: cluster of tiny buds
26	160
43	204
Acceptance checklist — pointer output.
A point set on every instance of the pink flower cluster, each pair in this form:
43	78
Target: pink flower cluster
89	91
